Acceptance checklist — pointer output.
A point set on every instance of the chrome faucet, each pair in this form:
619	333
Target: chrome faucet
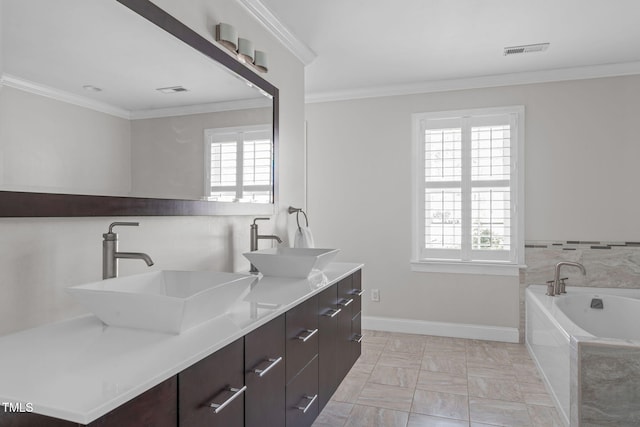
110	254
254	237
558	284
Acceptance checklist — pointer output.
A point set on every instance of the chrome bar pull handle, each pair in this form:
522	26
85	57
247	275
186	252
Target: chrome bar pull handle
332	312
357	338
345	302
311	399
236	393
357	292
310	333
274	362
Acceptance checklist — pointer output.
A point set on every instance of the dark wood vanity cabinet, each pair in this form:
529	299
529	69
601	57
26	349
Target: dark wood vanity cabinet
282	374
302	364
264	363
217	380
340	333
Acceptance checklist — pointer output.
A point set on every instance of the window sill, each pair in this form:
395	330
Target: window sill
466	267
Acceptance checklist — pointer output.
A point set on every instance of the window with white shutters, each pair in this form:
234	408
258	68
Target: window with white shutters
468	188
239	164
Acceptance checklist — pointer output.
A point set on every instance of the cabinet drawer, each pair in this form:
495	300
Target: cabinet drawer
265	375
302	397
327	344
356	291
216	379
302	336
356	330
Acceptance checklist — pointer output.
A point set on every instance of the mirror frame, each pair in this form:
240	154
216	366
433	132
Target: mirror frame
26	204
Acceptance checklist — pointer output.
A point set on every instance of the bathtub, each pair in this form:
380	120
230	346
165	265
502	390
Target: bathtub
552	321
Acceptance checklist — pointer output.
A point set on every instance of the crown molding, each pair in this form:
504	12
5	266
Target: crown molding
101	107
213	107
63	96
282	33
545	76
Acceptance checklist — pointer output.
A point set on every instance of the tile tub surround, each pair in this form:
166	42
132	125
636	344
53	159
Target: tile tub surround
608	264
91	369
409	380
605	382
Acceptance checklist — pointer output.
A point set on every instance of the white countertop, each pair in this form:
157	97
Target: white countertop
80	369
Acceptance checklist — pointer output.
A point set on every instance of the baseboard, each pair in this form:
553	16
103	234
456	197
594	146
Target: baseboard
443	329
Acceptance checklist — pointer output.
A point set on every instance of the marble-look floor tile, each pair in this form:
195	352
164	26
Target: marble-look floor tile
526	372
443	382
406	345
350	388
483	353
386	396
401	360
365	368
480	369
495	388
420	420
439	404
433	343
391	375
535	394
442	363
366	416
499	412
544	416
335	414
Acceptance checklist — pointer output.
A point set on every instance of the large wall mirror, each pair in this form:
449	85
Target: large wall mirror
113	107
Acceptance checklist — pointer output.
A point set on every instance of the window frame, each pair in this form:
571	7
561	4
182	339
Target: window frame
239	134
458	260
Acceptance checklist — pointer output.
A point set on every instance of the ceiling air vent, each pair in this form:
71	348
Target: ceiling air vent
172	89
513	50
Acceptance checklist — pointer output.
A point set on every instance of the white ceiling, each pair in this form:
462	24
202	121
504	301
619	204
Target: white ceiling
376	46
57	47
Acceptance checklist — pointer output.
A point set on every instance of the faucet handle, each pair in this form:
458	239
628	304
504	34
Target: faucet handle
117	224
110	235
551	288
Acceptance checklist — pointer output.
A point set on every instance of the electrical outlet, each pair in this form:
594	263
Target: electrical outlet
375	295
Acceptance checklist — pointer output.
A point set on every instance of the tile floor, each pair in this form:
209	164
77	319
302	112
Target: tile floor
404	380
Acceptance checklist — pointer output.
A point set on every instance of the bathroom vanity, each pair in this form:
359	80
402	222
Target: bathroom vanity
274	358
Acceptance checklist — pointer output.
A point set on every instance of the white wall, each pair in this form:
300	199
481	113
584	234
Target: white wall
40	257
55	147
581	180
167	154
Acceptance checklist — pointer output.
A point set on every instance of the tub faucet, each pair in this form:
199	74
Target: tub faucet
253	244
558	286
110	254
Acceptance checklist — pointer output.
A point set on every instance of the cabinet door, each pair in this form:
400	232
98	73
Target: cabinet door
265	375
356	291
356	329
327	346
302	336
302	397
157	407
210	393
344	335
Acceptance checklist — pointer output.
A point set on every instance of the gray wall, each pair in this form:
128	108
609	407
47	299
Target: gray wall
581	176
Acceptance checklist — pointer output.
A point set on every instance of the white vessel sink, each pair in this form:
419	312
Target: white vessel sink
163	301
291	262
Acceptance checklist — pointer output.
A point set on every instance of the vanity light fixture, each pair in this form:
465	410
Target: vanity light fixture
227	36
260	61
242	48
245	51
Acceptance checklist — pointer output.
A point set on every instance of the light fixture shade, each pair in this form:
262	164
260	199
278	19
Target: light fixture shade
227	36
260	61
245	50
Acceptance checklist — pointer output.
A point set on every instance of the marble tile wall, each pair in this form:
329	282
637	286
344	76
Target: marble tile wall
608	265
605	382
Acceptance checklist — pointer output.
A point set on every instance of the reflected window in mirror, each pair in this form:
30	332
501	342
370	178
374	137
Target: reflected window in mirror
240	164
